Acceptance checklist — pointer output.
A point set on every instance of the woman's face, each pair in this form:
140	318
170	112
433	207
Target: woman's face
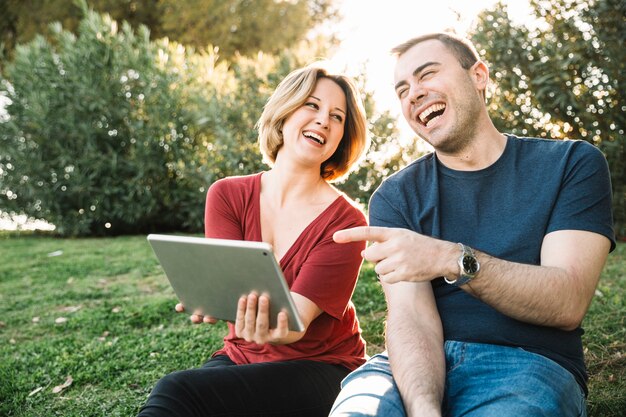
313	131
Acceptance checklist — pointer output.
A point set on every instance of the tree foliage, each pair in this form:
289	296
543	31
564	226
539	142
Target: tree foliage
234	26
385	156
22	20
563	78
109	132
101	132
242	26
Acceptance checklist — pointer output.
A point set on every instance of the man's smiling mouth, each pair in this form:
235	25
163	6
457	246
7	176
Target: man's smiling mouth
431	114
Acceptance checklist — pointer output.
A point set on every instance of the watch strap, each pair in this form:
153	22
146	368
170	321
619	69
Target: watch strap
465	275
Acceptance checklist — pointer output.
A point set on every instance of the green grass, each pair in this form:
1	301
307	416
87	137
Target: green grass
102	313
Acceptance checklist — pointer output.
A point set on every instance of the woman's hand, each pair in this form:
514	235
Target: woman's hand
253	318
196	318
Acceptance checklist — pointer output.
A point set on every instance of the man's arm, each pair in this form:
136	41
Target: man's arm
556	293
414	338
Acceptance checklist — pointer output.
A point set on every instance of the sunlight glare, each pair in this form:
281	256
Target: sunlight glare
371	28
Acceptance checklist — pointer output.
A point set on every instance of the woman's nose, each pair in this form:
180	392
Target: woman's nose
322	120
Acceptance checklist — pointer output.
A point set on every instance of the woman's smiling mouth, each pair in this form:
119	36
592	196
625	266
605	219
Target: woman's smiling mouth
314	137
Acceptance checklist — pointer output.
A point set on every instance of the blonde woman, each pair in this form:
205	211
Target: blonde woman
312	131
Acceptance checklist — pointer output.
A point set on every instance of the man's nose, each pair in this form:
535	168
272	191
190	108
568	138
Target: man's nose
416	93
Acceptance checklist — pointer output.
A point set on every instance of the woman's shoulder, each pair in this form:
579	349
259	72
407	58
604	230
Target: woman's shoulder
236	182
349	210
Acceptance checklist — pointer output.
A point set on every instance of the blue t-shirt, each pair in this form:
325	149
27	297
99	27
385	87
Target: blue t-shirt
537	186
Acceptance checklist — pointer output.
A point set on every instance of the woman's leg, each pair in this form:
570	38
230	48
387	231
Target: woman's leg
220	388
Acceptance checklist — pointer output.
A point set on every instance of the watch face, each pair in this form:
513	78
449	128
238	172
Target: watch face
470	265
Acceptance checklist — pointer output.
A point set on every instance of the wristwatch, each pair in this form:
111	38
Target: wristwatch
468	267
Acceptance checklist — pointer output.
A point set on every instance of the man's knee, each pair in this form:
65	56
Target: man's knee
369	391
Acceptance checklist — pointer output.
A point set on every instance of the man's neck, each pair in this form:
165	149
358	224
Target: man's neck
481	151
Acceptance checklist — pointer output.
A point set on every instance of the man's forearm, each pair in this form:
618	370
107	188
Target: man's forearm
556	293
418	370
415	346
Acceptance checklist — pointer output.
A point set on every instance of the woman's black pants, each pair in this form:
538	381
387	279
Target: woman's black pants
221	388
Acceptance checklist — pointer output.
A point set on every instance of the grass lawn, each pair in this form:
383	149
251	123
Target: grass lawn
87	327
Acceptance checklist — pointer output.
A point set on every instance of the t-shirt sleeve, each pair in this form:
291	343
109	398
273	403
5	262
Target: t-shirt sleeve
221	216
382	210
329	274
584	201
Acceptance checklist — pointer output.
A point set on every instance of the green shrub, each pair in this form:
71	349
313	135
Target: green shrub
110	133
101	136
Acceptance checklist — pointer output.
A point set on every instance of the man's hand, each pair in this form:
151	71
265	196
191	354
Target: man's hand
403	255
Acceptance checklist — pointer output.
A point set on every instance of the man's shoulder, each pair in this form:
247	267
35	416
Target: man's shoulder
420	166
405	184
543	145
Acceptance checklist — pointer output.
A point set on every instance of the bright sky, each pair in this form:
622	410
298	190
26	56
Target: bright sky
371	28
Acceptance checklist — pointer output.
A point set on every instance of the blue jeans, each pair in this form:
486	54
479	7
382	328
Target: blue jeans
481	381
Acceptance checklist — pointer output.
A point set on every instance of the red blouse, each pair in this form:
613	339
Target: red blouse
315	267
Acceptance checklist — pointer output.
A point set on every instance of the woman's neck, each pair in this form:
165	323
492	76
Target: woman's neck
284	186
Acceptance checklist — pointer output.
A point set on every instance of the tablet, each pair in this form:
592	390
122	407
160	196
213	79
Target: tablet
209	275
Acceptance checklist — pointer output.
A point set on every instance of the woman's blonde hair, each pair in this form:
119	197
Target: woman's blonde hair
291	93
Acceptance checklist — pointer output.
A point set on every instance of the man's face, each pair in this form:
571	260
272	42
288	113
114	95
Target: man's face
440	99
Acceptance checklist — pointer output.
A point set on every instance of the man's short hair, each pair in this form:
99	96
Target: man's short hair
462	48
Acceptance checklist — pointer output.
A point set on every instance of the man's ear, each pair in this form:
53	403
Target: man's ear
480	74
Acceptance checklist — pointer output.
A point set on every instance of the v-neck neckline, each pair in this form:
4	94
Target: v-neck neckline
288	253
